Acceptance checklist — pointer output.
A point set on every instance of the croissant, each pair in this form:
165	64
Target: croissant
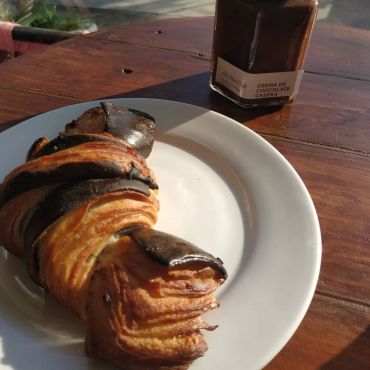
80	211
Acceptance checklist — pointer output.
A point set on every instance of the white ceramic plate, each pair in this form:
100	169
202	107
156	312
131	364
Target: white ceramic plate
223	188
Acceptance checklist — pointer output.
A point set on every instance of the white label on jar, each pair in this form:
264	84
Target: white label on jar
257	85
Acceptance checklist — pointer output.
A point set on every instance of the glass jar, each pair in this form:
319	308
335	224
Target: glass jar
258	49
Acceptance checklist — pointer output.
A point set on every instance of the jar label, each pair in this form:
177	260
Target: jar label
257	85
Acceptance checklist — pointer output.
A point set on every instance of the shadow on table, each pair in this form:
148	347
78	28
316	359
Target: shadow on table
355	356
189	90
192	90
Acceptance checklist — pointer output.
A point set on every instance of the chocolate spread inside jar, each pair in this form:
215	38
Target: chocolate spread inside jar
258	49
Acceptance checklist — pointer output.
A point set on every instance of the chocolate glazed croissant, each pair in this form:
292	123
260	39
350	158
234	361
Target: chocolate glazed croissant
80	211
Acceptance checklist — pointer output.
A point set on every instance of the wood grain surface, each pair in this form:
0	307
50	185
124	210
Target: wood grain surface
339	50
324	134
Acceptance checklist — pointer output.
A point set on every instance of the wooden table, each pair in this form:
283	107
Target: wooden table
325	134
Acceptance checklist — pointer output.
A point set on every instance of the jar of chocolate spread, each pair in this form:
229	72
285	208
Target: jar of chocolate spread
258	49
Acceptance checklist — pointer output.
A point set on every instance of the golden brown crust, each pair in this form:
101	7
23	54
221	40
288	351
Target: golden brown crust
129	317
68	249
103	151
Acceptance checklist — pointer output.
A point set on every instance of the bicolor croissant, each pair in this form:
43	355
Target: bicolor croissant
80	211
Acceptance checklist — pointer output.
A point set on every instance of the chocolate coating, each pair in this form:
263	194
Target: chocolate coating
135	127
131	125
169	250
73	171
36	146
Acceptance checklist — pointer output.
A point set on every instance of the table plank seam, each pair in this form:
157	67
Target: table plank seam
336	75
360	305
187	52
42	93
326	146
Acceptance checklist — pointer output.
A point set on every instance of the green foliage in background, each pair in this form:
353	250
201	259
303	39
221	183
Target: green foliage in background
42	15
5	12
